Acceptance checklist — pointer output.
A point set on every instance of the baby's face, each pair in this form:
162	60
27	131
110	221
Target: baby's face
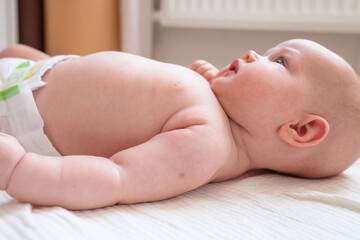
290	82
261	91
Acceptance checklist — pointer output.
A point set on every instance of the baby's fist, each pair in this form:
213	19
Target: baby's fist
10	154
205	69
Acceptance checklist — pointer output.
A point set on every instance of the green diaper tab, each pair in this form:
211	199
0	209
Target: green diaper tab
8	93
23	71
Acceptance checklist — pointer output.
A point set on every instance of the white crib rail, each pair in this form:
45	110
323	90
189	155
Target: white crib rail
341	16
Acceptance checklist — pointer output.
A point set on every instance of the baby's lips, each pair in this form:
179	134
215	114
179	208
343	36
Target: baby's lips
234	66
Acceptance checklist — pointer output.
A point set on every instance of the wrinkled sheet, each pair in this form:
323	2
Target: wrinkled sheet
258	205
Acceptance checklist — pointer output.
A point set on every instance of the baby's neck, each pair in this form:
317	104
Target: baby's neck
239	161
243	155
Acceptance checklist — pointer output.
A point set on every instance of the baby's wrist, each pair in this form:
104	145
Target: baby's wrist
11	154
6	178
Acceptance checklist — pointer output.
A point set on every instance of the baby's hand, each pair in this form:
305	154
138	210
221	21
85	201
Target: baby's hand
205	69
10	154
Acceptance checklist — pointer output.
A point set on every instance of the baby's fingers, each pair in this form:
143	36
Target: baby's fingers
202	66
197	64
209	75
205	69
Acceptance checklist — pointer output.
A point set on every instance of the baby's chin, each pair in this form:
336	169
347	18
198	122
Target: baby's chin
227	76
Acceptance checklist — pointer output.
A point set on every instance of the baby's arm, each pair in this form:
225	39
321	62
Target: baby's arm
10	153
205	69
76	182
169	164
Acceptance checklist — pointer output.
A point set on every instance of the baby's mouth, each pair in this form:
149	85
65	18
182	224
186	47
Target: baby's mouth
229	73
233	69
234	66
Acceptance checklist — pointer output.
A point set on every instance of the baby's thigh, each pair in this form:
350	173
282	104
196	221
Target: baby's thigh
23	51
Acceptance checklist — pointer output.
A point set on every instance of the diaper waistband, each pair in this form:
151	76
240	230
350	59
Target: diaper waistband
21	71
19	115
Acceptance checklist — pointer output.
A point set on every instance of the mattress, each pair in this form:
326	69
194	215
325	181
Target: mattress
257	205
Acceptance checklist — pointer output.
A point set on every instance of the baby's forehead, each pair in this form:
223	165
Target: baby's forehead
298	44
308	51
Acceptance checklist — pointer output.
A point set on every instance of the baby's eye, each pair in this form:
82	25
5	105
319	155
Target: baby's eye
281	61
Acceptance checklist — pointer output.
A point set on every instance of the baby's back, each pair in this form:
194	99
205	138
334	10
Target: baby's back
106	102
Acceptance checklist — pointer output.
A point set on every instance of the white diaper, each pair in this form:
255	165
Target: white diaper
19	115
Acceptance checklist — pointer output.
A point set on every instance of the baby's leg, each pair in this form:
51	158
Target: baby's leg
23	51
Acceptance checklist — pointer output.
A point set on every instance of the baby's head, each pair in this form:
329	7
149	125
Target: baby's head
296	108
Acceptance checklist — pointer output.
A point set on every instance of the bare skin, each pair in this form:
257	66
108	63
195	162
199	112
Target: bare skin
131	129
117	147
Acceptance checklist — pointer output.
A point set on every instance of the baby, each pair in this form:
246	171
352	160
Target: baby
114	128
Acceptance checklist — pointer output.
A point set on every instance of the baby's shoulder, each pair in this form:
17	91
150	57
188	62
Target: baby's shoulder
207	114
199	104
211	137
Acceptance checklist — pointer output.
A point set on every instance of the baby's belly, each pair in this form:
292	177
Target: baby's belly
101	113
91	128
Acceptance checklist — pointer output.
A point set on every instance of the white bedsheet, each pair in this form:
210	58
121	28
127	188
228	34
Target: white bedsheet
259	205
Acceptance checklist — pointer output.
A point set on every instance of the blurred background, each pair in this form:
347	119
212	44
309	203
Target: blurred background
64	26
180	31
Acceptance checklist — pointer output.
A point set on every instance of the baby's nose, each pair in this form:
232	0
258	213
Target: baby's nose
250	56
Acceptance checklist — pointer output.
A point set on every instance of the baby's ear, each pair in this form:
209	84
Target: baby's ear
308	131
